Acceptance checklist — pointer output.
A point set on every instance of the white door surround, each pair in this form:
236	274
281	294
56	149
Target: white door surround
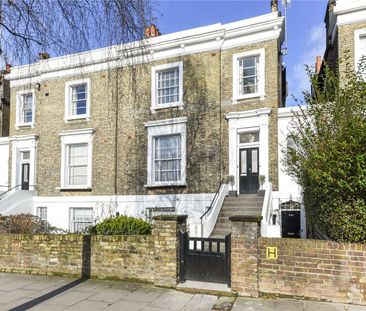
243	122
23	144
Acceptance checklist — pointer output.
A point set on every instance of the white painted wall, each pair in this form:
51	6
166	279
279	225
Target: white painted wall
4	163
58	208
287	186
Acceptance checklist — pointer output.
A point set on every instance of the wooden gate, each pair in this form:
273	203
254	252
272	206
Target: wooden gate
205	259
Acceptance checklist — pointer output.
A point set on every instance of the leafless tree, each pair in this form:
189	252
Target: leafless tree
60	27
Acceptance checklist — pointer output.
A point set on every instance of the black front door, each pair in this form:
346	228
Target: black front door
249	170
291	226
25	176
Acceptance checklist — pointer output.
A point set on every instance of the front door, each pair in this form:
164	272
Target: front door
25	176
249	170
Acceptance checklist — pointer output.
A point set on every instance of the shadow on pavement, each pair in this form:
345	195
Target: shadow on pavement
85	275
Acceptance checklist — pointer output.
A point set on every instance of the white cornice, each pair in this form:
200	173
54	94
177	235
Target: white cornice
166	122
287	112
216	36
77	132
24	137
4	140
350	11
248	113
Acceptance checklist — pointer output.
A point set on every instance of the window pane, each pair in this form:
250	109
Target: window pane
78	99
248	75
167	158
26	108
26	155
248	137
363	43
42	213
81	218
243	162
254	161
168	86
77	165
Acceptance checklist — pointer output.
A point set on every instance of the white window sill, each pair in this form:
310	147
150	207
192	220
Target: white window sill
248	96
80	117
162	185
156	107
74	188
17	126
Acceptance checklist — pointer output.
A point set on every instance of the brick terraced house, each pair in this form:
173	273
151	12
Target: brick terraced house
157	126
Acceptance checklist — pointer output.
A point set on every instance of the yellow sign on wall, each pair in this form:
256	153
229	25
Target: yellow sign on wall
272	252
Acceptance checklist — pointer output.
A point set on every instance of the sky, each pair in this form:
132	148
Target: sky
305	28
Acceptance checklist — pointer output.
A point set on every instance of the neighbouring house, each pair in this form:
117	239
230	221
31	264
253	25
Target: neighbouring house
4	131
345	22
156	126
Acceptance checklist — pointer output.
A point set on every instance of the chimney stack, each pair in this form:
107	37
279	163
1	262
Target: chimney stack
318	64
43	56
151	31
274	5
7	68
331	5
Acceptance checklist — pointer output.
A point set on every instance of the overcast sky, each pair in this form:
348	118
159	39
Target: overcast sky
305	25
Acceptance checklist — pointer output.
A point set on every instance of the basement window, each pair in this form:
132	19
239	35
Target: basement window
80	219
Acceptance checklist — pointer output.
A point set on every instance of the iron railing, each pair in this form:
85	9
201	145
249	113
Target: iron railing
17	186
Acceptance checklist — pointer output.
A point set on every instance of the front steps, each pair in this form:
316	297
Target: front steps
243	205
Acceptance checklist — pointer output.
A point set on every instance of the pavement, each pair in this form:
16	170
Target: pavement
29	292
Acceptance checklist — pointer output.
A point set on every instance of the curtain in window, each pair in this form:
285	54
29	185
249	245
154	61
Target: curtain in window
81	219
248	75
78	99
78	165
167	158
26	113
168	86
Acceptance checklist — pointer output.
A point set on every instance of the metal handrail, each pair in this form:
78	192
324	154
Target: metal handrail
213	200
13	189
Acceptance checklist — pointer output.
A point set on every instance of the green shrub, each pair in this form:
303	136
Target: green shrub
328	159
122	225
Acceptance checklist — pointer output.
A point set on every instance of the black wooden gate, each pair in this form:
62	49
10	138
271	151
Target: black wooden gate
205	259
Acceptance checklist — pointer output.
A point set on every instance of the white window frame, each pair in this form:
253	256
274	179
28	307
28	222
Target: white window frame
165	128
39	208
358	34
154	82
19	101
73	137
261	73
68	93
71	214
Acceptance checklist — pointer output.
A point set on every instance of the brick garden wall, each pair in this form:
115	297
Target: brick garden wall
41	254
315	269
123	257
152	258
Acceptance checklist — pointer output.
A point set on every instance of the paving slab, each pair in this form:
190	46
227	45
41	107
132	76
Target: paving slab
110	295
247	304
171	300
38	293
87	305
